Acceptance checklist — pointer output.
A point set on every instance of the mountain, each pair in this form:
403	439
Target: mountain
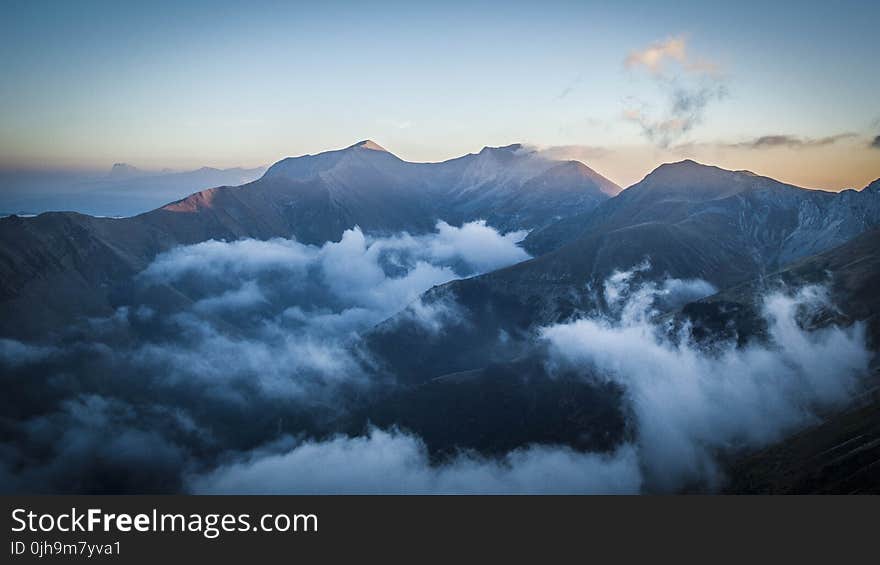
59	265
511	187
514	187
835	456
461	372
690	194
316	197
124	171
690	220
471	389
500	408
850	271
838	454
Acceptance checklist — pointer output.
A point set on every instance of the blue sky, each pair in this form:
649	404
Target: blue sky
187	84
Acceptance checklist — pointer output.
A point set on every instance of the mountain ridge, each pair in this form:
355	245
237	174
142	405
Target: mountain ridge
725	236
313	198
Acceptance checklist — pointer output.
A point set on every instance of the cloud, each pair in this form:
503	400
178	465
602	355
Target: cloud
93	444
14	353
655	56
791	142
250	382
219	259
378	274
688	88
875	143
478	245
225	346
393	462
297	309
583	153
691	403
624	297
571	86
686	108
434	317
249	294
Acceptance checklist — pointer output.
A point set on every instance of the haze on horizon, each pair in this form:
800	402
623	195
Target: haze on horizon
622	88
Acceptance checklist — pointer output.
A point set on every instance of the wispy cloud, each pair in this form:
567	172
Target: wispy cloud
571	86
689	84
685	108
583	153
656	57
791	141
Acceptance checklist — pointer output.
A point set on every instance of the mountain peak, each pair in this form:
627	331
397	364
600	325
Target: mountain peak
690	180
687	169
686	164
368	144
512	148
120	170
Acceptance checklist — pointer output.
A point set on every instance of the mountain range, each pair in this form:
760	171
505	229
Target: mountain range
61	264
482	383
691	221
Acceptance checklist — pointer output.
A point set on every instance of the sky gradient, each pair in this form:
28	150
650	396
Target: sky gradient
786	91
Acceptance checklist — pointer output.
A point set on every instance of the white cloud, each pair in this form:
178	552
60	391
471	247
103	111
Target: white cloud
655	56
297	309
690	403
688	87
219	258
394	462
478	245
247	295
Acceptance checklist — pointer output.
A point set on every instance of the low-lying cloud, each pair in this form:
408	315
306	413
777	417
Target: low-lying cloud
392	462
242	390
225	347
691	403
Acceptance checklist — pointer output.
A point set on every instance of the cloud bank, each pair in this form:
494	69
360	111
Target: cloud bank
245	389
397	463
690	403
225	347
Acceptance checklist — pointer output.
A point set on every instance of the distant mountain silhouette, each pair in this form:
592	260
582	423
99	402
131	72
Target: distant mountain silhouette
124	191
